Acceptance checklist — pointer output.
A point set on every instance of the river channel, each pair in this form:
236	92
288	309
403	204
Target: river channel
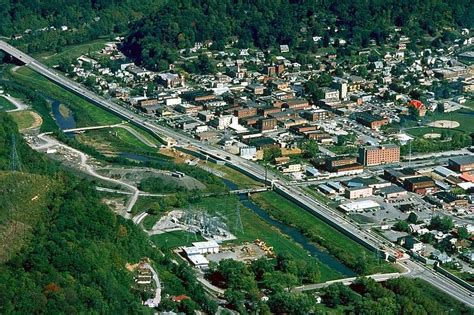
295	235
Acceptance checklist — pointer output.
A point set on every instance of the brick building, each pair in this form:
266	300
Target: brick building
370	120
267	124
376	155
245	112
461	163
317	115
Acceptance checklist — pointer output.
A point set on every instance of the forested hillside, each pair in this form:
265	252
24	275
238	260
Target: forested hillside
154	39
40	22
62	250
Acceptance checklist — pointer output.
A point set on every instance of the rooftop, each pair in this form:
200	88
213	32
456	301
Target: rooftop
462	160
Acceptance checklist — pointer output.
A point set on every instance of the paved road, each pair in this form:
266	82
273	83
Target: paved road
18	103
154	302
346	281
372	240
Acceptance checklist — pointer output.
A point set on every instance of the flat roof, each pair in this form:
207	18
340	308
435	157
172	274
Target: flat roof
359	205
198	260
462	160
419	179
392	189
206	244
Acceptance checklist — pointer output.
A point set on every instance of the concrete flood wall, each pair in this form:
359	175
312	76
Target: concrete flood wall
451	276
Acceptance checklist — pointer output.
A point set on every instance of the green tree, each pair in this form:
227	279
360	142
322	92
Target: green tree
310	149
412	218
270	153
463	233
401	226
278	281
443	223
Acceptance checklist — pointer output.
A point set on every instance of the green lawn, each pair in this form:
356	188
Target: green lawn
5	104
420	132
470	103
175	239
312	190
351	253
145	203
342	149
112	141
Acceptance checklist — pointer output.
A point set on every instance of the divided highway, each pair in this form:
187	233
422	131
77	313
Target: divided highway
372	241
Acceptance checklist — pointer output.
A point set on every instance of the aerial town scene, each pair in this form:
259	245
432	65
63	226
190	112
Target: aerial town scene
237	157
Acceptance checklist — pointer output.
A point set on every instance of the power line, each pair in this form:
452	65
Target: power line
15	164
238	220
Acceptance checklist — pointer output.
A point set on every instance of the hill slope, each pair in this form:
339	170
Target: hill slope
179	24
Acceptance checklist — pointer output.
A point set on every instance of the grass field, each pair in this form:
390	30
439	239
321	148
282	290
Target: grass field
464	117
175	239
470	103
347	250
420	132
241	180
5	104
71	52
113	141
23	119
319	196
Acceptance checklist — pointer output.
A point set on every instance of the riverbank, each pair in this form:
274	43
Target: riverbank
348	251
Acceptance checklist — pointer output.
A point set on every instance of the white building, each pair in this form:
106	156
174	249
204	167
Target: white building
195	253
248	153
360	206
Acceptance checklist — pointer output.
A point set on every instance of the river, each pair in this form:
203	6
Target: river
63	122
322	256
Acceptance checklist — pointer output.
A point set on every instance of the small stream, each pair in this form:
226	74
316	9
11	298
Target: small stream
295	235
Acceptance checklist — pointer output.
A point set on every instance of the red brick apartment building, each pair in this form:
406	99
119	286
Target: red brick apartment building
376	155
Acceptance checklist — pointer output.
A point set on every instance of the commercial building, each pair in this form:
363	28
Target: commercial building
461	163
376	155
330	93
248	152
358	192
267	124
360	206
370	120
393	192
333	162
317	115
419	184
296	104
245	112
